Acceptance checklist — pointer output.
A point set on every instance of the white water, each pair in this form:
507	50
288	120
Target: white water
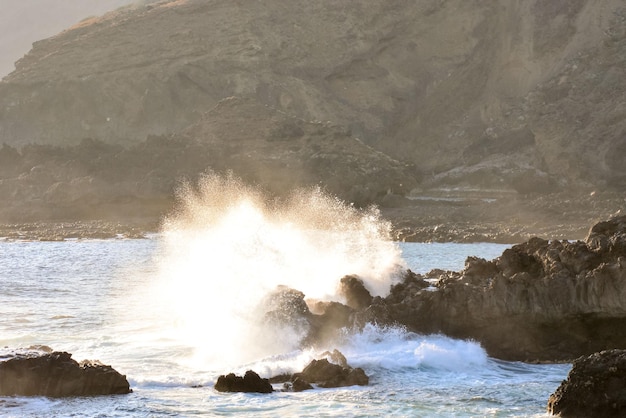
179	309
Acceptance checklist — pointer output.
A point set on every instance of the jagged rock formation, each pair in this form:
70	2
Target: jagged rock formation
539	300
56	374
595	387
250	382
495	94
322	372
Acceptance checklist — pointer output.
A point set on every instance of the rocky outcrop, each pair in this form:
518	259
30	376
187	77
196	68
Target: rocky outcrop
595	387
251	382
540	300
353	289
56	374
328	375
332	371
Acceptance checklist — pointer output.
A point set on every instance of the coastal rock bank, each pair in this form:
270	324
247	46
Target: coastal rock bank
539	301
595	387
55	374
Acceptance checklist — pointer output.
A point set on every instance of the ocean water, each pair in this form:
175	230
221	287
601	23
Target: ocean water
176	310
101	299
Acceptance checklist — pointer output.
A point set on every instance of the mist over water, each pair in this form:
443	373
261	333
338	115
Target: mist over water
228	246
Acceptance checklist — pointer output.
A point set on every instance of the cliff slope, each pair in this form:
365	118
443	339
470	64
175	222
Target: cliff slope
508	92
521	97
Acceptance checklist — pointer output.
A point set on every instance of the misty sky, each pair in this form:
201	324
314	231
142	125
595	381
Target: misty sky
23	22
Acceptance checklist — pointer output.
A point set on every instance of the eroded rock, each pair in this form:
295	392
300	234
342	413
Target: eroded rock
540	300
330	371
595	387
56	374
251	382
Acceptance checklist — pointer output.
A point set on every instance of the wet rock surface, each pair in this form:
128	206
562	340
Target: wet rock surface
595	387
251	382
43	372
331	371
328	375
539	301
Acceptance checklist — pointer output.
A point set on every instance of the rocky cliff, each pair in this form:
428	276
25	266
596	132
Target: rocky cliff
540	301
517	94
523	97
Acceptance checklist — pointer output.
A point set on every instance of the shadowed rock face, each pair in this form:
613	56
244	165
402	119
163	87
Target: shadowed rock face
539	300
56	374
250	382
329	375
595	387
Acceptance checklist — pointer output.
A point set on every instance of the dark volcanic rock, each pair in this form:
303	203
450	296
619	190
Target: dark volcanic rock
329	372
329	375
540	300
286	308
56	374
299	385
357	296
595	387
250	382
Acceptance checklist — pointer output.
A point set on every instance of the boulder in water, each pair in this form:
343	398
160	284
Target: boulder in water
328	375
251	382
297	385
332	371
56	374
595	387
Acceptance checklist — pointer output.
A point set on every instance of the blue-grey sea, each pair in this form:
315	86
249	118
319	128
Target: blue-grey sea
172	317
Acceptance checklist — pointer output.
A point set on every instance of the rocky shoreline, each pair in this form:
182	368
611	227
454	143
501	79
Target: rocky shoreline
540	301
434	216
60	231
40	371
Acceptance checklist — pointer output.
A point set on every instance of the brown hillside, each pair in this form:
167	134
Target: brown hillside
504	98
529	88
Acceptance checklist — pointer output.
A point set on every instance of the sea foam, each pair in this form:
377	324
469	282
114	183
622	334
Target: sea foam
227	246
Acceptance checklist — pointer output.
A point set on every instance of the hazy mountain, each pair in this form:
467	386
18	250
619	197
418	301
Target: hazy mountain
524	96
23	22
